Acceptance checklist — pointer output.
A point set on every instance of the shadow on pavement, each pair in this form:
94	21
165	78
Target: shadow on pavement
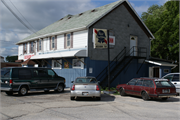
104	98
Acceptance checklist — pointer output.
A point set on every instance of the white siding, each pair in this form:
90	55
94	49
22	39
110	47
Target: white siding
45	44
20	52
80	39
60	42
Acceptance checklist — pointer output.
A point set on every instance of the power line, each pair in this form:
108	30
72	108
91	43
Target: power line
23	16
16	16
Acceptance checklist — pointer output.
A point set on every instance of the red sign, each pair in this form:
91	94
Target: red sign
28	56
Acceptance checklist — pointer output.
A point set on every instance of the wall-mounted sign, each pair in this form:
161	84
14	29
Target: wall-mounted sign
111	40
66	65
100	38
28	56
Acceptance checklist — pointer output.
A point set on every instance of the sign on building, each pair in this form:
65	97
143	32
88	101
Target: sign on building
100	39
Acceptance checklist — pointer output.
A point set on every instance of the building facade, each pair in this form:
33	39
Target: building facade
68	45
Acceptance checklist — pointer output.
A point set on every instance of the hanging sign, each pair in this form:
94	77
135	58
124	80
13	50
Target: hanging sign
100	38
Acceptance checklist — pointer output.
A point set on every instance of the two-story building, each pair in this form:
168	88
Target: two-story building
68	45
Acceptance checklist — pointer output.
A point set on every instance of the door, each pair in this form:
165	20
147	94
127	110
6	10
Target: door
138	87
176	82
130	86
156	72
53	79
133	46
41	76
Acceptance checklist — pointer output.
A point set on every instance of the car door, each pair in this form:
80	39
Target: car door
138	87
53	78
130	85
176	82
148	86
41	75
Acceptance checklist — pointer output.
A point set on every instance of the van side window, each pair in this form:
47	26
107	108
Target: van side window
51	73
24	73
15	73
40	73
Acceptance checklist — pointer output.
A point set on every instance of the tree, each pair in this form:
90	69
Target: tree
11	58
163	22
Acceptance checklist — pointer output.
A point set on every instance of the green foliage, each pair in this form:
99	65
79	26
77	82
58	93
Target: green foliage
11	58
163	22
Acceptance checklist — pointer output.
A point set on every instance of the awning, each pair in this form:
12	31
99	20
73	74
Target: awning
78	53
161	63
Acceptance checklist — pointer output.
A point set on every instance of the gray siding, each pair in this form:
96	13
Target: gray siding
118	21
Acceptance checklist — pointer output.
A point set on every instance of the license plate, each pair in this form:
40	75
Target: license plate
85	93
166	91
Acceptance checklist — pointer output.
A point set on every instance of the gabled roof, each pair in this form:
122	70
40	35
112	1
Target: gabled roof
80	21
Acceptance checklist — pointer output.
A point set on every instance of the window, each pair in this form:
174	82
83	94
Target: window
176	77
132	82
163	84
68	36
166	70
56	64
169	77
51	73
5	72
53	43
148	83
85	80
139	83
40	73
24	74
32	46
40	44
78	64
25	48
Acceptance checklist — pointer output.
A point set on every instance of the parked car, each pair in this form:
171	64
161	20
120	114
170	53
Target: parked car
148	88
22	80
174	78
85	87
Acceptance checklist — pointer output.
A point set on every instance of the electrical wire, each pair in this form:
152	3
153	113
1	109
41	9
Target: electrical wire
16	16
23	17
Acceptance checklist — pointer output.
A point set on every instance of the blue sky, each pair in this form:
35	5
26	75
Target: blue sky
41	13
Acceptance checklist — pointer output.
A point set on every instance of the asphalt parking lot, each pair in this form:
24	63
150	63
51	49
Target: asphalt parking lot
58	106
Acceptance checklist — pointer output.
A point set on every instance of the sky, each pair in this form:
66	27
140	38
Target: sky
37	14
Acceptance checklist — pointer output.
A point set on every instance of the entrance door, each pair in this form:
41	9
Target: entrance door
133	46
156	72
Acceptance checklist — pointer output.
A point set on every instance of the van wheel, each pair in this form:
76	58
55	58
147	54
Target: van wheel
9	93
145	96
60	88
23	91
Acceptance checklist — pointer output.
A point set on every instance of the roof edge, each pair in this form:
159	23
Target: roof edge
51	34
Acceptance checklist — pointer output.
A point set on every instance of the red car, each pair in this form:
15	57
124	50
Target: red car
148	88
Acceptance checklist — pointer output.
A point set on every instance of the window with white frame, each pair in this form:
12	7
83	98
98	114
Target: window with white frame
68	39
56	64
53	43
78	63
40	41
32	46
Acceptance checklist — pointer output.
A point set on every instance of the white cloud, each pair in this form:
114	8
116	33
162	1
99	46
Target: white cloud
140	9
39	13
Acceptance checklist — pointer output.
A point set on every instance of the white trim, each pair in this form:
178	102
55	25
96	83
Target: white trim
78	67
60	66
161	63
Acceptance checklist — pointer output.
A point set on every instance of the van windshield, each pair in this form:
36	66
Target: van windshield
5	73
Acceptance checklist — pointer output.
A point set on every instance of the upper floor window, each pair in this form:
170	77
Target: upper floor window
31	48
53	43
25	48
40	41
68	40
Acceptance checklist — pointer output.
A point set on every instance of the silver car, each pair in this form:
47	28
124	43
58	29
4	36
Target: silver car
85	87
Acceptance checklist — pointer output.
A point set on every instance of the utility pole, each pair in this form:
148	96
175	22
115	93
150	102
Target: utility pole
108	60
